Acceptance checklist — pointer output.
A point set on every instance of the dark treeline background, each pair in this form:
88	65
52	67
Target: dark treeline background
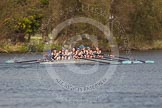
139	20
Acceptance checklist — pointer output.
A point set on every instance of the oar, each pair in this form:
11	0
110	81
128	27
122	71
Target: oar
130	59
112	59
115	58
109	59
95	60
147	61
30	61
126	60
25	61
136	60
120	58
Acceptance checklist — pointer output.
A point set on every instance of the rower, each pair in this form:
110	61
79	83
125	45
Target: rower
95	54
98	51
47	56
88	52
59	55
84	52
73	52
76	56
53	54
67	55
62	54
111	55
80	54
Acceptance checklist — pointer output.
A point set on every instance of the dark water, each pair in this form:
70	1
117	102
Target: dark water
130	86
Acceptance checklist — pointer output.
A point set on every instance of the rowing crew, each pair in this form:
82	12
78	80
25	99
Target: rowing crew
75	53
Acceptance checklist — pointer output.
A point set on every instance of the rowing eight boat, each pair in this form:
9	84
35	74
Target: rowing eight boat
83	61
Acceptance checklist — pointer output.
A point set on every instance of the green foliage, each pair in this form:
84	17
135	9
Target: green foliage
42	47
23	48
21	2
28	25
145	19
19	27
44	2
141	19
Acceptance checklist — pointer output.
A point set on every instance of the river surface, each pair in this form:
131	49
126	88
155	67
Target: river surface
34	85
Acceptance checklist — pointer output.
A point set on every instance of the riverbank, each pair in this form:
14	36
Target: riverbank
35	45
26	47
141	46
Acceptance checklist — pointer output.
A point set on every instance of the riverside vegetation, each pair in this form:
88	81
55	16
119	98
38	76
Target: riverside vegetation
25	25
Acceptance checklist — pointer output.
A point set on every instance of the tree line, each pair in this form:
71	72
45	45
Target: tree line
139	20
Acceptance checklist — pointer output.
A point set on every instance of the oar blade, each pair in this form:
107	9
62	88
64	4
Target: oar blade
137	62
149	62
115	63
10	61
126	62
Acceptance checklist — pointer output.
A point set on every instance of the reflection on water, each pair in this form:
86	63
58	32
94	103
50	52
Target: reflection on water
30	85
